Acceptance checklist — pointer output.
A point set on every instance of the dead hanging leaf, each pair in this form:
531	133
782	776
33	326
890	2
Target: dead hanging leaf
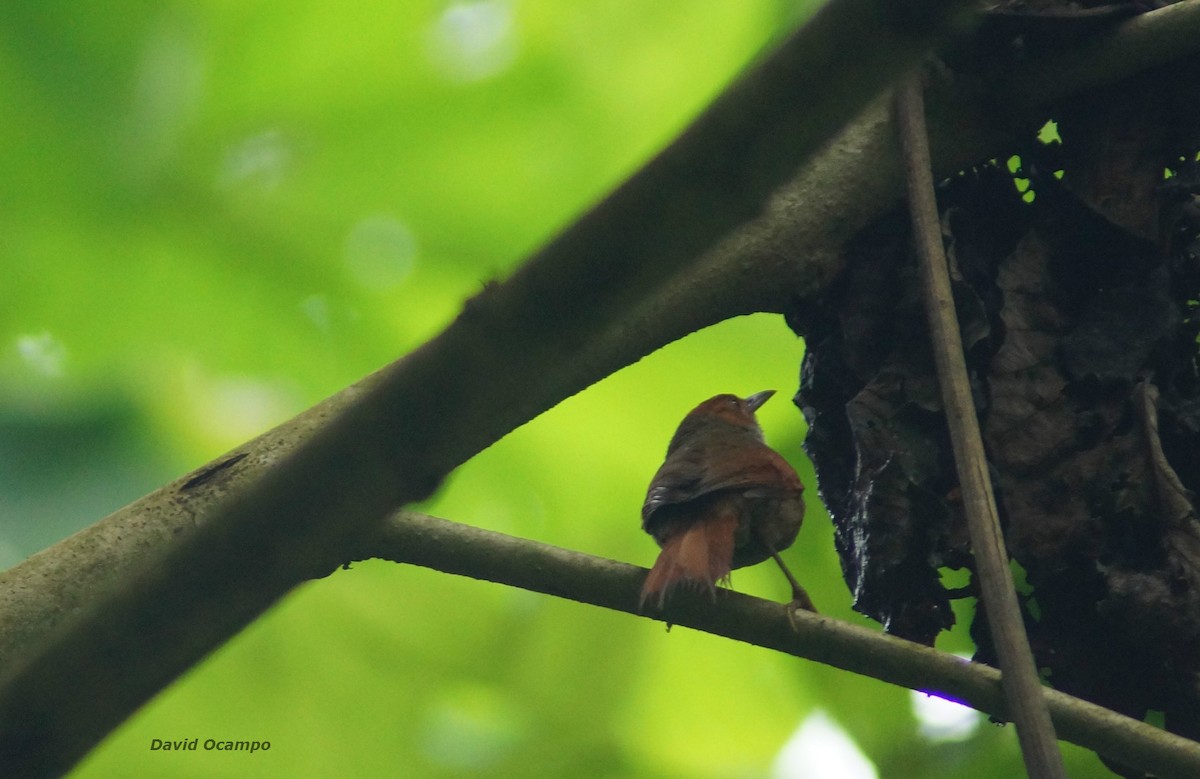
917	608
894	461
871	399
1118	330
1029	419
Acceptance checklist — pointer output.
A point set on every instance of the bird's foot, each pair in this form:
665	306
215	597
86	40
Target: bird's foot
800	602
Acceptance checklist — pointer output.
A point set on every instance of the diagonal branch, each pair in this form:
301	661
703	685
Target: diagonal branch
483	554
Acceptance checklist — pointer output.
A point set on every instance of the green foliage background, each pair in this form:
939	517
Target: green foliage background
213	214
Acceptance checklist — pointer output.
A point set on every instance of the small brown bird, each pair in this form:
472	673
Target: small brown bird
723	499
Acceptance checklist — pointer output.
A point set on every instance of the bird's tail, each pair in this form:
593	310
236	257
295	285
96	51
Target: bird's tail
698	554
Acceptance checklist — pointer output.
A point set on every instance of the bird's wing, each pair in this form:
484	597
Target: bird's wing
688	474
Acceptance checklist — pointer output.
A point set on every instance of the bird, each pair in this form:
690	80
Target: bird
721	500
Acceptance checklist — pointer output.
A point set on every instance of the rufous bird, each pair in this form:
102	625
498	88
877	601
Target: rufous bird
722	499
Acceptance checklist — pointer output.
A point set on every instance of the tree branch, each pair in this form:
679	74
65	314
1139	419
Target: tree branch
482	554
1137	44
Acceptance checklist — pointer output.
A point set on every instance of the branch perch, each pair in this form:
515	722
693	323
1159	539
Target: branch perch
483	554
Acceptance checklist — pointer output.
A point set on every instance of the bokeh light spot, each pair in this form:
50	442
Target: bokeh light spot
471	41
258	162
940	720
379	252
818	749
43	352
472	727
316	309
168	93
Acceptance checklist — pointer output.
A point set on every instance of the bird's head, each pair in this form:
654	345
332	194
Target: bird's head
720	415
734	410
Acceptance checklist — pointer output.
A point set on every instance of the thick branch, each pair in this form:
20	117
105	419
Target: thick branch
1139	43
503	361
483	554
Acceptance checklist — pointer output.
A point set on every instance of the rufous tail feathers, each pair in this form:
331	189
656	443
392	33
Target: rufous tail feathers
698	554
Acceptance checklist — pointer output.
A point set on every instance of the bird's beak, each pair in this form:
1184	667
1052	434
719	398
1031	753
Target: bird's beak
758	398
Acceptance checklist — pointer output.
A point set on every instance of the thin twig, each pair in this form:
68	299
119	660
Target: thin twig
1022	687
